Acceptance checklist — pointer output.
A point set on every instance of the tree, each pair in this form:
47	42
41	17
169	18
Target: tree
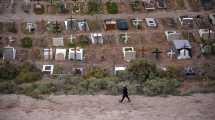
142	70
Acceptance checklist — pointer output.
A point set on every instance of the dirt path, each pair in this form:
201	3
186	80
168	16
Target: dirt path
156	14
100	107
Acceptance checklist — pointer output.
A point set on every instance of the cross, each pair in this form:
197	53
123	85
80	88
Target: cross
57	27
157	53
136	22
125	37
171	53
72	38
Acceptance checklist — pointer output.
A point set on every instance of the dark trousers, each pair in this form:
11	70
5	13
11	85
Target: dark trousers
125	96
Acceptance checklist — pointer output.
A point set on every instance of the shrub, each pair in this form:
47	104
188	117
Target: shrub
112	7
37	90
8	70
26	77
97	73
84	41
136	5
160	86
7	87
26	42
171	72
142	70
94	7
28	73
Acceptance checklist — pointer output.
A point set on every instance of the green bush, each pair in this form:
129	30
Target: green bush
8	70
171	72
112	7
142	70
26	77
26	42
28	73
37	90
136	5
97	73
160	86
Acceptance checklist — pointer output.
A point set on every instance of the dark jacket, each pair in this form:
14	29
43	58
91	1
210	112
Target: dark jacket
125	91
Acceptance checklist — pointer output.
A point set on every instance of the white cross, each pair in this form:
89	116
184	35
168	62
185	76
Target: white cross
72	38
125	37
171	53
137	21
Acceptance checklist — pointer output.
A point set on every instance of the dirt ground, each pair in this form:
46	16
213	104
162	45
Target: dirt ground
100	107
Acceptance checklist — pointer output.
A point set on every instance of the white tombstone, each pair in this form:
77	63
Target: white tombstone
48	68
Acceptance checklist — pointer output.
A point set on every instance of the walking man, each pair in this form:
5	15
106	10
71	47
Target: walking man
125	94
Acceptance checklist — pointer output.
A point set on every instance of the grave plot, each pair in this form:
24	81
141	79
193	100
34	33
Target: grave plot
10	27
104	56
54	27
176	4
124	7
77	7
95	25
169	23
22	55
202	22
137	23
94	7
51	9
194	5
152	41
38	8
42	42
136	6
28	27
35	54
41	26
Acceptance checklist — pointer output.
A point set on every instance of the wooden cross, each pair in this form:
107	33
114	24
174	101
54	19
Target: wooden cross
157	53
